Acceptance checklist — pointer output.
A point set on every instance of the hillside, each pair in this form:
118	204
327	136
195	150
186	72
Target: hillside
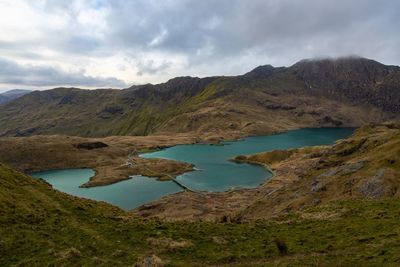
10	95
363	166
311	93
41	226
3	99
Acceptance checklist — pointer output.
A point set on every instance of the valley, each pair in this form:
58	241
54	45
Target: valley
266	158
327	204
212	169
199	133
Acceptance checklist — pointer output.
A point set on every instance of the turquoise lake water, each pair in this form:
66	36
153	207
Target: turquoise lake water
215	171
126	194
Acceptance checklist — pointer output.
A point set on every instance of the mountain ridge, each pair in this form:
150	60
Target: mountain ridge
310	93
10	95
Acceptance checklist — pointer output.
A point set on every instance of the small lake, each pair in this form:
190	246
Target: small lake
126	194
214	172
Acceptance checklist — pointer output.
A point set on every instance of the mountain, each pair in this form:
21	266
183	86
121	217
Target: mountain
12	94
3	99
311	93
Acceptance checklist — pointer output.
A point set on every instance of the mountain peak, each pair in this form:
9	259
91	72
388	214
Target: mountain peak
350	68
13	92
352	60
263	71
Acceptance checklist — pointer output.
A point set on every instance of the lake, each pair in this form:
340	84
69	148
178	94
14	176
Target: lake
214	172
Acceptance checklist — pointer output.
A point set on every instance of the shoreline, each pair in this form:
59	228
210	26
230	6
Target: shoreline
115	162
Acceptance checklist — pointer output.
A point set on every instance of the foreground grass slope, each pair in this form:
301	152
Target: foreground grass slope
43	227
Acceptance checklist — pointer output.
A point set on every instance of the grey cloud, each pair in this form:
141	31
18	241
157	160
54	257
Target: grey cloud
220	36
228	28
16	74
215	29
150	67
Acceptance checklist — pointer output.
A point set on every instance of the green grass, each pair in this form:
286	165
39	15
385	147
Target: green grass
148	118
43	227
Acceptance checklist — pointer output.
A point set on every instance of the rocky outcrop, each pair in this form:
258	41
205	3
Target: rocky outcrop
149	261
376	187
90	145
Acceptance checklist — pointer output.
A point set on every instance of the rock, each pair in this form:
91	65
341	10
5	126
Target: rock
149	261
375	186
330	120
113	110
69	253
317	186
281	246
391	161
219	240
110	112
392	125
275	106
90	145
67	99
344	169
26	132
349	184
351	168
329	173
316	201
352	147
169	243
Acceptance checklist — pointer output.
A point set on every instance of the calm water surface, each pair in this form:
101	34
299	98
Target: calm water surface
215	171
126	194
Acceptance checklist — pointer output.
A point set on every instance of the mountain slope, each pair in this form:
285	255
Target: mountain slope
341	92
364	166
3	99
12	94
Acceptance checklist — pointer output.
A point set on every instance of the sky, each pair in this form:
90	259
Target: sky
118	43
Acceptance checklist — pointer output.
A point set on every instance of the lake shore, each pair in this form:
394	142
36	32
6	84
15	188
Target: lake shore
193	206
115	161
304	177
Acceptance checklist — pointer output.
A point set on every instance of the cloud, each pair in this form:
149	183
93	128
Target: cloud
151	67
227	28
150	41
29	75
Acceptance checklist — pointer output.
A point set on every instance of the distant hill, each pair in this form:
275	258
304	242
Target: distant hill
12	94
3	99
311	93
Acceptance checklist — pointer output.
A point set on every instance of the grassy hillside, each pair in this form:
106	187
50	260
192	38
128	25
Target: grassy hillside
343	92
364	166
43	227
